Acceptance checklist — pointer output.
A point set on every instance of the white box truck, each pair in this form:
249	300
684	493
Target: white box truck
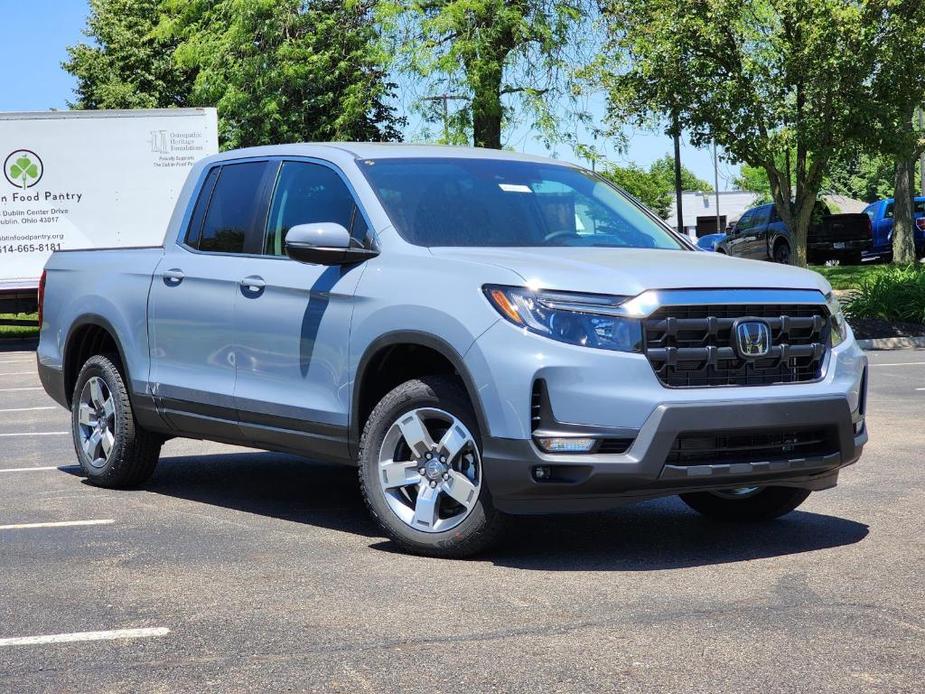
89	179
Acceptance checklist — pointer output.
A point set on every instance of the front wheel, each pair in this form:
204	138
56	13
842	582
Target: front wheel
746	503
421	470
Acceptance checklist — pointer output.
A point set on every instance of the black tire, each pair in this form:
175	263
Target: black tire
782	253
481	528
850	259
766	504
134	452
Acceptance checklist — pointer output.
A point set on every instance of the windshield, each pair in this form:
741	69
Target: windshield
491	202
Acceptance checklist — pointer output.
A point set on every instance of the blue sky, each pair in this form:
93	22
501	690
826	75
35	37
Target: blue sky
38	32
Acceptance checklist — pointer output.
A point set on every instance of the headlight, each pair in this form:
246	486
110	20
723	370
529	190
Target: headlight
590	320
839	329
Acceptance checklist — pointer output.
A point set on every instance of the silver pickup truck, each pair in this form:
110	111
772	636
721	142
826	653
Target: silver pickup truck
481	333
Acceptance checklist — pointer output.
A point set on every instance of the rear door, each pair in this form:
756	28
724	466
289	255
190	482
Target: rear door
292	320
191	307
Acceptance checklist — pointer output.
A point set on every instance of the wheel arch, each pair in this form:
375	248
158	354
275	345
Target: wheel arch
394	345
87	335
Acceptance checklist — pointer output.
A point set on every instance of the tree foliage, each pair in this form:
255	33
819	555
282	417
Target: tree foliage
127	65
898	87
498	54
654	186
763	78
857	175
285	70
277	70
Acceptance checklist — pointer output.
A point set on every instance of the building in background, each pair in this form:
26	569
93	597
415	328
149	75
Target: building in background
699	211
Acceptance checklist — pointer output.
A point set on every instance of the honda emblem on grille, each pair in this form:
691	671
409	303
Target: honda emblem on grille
752	338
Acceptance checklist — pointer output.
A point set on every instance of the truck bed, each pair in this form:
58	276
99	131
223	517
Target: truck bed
105	286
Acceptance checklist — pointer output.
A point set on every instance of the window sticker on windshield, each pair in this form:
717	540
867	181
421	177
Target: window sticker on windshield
514	188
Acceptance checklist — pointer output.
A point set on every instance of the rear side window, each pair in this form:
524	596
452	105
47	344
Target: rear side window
308	193
199	212
233	208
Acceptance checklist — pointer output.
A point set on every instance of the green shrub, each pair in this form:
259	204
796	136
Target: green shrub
896	294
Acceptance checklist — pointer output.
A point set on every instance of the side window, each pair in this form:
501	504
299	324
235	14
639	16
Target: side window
746	221
233	208
199	212
307	193
888	211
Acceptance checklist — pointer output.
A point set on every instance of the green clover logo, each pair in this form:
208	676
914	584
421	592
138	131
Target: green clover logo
23	168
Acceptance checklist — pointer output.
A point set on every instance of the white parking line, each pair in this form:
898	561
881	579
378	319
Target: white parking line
37	433
58	524
10	390
903	363
28	409
85	636
43	467
18	373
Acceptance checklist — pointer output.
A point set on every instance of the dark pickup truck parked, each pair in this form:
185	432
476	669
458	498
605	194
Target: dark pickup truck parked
760	234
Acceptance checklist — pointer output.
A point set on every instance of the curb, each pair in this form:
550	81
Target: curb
892	343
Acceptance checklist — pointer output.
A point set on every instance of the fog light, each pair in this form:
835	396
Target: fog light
542	472
565	445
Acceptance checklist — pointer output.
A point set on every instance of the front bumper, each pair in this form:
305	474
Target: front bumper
619	393
595	482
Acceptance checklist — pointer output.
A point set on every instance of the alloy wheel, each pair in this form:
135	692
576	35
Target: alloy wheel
430	470
96	421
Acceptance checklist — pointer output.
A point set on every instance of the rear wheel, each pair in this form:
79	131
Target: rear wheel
746	503
782	253
112	449
421	470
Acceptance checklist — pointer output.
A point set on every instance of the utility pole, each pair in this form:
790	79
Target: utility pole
719	223
446	98
676	133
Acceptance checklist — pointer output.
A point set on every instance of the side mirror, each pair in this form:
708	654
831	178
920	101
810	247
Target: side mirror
324	243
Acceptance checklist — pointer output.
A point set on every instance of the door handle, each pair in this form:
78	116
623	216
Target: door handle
173	277
253	284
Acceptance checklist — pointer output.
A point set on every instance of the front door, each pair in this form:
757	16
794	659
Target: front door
191	316
292	322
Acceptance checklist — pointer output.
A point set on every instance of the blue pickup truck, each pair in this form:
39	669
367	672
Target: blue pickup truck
881	220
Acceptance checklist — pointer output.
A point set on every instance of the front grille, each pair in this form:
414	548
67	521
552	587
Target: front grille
751	446
692	346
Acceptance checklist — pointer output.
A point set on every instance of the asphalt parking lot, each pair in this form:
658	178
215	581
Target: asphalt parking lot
238	570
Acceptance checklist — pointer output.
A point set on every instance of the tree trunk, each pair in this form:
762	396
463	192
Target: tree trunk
486	105
903	223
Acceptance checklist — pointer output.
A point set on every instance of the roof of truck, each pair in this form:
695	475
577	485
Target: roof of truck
379	150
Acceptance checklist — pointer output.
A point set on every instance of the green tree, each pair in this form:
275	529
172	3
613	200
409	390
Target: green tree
285	70
898	86
492	51
127	65
654	186
762	78
278	70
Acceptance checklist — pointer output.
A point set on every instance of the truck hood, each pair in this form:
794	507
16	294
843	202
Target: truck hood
631	271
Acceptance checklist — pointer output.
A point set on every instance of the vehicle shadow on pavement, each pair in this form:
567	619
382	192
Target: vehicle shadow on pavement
18	345
269	484
649	536
663	534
